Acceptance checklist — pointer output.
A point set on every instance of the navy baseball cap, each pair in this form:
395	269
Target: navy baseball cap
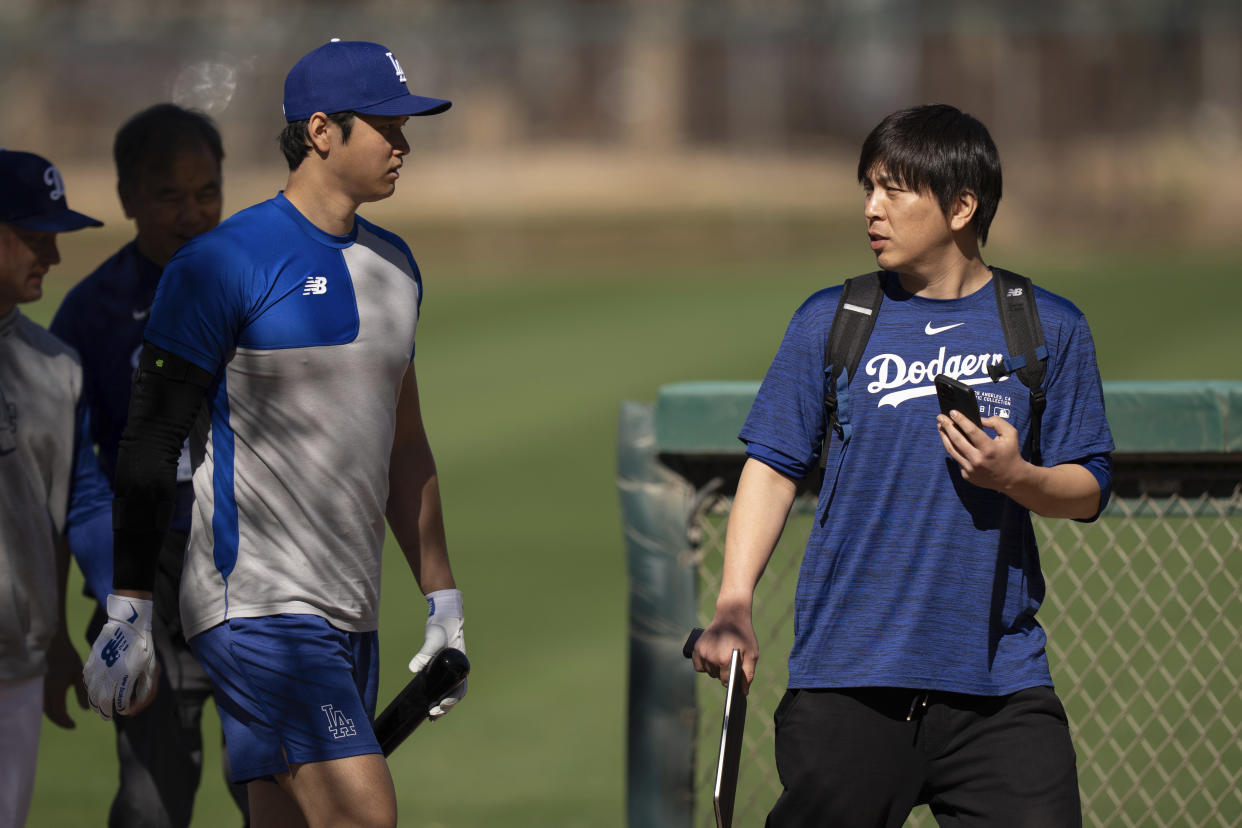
352	75
32	195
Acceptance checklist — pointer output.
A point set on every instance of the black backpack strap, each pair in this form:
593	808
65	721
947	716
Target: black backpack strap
1028	355
851	328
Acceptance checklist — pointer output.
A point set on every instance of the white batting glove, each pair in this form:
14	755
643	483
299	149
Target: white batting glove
120	672
445	621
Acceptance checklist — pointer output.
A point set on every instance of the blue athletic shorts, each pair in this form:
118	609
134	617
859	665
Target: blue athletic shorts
290	689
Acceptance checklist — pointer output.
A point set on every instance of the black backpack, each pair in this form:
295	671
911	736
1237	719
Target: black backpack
855	317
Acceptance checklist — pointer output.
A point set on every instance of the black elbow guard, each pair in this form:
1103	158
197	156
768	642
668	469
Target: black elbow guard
167	395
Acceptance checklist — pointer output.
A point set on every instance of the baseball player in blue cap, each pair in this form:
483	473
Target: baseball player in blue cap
285	337
50	487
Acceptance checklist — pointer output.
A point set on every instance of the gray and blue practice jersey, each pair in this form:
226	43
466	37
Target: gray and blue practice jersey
309	336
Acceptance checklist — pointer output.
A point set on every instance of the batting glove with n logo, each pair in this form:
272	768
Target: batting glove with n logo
120	672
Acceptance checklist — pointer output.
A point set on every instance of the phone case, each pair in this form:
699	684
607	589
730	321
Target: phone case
957	395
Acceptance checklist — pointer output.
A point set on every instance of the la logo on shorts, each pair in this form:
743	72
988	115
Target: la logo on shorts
339	725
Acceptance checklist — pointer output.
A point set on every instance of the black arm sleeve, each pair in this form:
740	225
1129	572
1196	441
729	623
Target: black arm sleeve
167	395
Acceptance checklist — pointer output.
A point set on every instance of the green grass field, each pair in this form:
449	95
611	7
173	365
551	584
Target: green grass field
531	336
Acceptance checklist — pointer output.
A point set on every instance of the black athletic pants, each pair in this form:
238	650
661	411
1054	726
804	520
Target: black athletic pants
865	757
160	750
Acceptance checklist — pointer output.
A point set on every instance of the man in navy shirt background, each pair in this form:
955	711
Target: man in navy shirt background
169	182
918	672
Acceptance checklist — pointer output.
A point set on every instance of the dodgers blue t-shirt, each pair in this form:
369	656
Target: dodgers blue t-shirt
913	577
103	318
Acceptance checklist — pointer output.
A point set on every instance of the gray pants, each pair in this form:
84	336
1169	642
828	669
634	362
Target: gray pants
161	748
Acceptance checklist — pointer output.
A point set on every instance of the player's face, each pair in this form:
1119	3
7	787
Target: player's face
909	233
369	162
25	258
172	206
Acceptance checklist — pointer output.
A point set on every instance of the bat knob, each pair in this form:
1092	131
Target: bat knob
687	649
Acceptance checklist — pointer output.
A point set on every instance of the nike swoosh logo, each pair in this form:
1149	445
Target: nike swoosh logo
140	315
932	330
133	617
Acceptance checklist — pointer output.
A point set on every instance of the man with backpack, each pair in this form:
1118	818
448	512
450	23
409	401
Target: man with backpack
918	672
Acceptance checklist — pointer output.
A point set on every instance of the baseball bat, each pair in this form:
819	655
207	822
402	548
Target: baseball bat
409	709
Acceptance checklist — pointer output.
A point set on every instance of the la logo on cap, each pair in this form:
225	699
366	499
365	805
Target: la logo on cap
357	76
32	195
397	67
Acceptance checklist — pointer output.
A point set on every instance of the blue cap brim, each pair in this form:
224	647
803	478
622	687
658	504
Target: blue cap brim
407	105
60	221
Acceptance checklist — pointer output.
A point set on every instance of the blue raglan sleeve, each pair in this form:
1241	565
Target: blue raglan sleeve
1075	426
89	522
202	301
785	427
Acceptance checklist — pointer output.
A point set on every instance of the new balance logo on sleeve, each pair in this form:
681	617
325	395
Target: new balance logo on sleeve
316	285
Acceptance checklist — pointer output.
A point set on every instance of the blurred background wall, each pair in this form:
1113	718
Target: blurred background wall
1127	106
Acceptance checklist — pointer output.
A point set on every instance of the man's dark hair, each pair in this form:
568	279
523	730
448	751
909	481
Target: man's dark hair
295	142
152	140
940	150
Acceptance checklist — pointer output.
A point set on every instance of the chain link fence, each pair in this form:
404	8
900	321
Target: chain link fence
1144	620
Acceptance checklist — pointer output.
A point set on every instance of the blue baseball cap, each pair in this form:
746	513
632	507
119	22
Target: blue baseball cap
352	75
32	195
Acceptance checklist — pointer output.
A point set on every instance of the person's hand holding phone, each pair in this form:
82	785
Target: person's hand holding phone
986	461
955	395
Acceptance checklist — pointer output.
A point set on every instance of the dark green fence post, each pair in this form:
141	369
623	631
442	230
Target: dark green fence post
655	510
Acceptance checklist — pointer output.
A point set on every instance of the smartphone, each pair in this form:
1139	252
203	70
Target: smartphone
957	395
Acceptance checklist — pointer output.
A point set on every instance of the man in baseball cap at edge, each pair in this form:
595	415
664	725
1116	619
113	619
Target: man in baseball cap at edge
293	322
50	487
32	195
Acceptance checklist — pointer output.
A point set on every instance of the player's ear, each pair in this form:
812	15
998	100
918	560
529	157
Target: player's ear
962	210
318	129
